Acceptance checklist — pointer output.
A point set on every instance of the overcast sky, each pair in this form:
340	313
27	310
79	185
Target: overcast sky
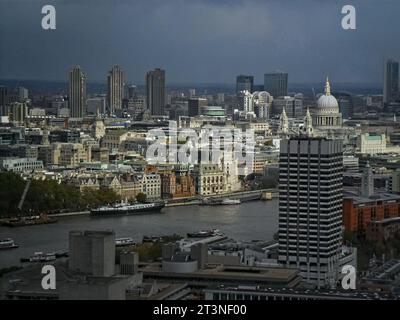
199	41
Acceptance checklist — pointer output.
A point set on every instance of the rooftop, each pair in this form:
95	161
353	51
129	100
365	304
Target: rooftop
386	197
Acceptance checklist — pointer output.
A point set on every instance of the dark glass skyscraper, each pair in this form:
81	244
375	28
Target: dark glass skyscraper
3	96
194	105
276	84
244	82
77	92
155	81
390	81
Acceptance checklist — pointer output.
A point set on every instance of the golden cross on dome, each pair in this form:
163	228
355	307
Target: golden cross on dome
327	87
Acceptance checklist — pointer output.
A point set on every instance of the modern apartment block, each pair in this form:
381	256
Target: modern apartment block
310	207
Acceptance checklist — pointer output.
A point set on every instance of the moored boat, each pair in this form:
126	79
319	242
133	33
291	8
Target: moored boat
220	201
29	221
40	257
126	208
8	243
203	233
230	201
122	242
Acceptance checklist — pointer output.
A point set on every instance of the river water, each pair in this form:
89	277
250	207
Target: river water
248	221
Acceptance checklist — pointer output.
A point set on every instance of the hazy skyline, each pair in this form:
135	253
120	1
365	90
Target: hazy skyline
199	41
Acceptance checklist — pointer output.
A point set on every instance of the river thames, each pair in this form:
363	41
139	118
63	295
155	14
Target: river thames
256	220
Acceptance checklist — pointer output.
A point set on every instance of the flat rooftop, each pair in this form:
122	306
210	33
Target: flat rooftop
377	197
271	275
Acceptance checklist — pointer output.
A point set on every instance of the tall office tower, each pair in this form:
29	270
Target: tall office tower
346	104
194	106
18	111
367	182
276	84
390	81
310	207
244	83
115	89
3	96
155	81
77	92
23	94
247	102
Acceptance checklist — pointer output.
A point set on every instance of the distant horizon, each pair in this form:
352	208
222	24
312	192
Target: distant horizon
184	84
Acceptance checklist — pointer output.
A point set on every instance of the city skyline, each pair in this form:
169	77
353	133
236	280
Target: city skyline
200	150
266	44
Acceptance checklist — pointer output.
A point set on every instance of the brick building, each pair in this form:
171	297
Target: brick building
176	185
359	212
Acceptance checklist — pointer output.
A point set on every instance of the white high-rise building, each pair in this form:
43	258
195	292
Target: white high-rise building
247	101
258	102
310	207
262	104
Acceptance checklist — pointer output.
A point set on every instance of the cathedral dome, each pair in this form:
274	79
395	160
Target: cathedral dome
327	104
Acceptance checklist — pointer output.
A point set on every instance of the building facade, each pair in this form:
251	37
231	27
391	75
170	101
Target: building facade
310	207
360	212
115	92
276	84
390	81
210	180
155	81
244	83
371	143
77	92
293	106
194	106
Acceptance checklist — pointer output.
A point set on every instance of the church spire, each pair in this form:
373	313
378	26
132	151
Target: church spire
327	87
308	127
284	123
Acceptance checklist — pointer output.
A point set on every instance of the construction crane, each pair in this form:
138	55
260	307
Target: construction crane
21	202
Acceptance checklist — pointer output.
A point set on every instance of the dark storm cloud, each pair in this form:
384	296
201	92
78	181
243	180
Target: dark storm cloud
199	41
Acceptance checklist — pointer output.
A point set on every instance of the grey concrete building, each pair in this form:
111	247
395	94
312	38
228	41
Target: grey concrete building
128	261
310	207
115	89
77	92
92	252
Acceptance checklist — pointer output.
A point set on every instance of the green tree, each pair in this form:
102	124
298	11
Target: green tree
141	197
